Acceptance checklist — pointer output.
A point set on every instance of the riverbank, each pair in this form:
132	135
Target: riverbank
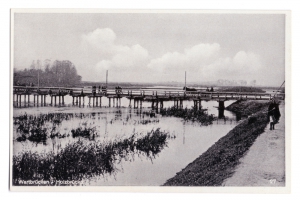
220	160
264	164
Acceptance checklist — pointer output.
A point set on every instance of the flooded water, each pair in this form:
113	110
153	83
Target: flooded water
111	123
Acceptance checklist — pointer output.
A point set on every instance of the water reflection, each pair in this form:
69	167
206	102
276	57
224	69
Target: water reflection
111	124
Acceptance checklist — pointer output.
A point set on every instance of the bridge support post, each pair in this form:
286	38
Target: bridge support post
113	102
119	100
79	101
96	101
63	100
109	102
37	100
17	100
89	101
199	104
83	100
141	102
25	100
51	100
44	100
59	101
28	100
73	100
221	113
55	100
20	100
221	105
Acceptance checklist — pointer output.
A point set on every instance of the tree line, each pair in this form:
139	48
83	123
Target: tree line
49	74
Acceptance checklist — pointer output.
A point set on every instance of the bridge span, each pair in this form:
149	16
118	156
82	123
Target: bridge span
137	95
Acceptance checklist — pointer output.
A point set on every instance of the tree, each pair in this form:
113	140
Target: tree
60	73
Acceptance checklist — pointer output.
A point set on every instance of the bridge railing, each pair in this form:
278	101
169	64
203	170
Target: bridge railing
153	92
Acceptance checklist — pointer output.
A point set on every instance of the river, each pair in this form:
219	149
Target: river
190	139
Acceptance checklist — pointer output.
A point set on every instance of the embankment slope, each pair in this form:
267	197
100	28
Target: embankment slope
220	160
264	163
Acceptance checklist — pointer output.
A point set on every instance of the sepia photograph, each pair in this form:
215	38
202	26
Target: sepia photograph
170	100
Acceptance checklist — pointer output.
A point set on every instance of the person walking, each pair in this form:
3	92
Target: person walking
273	114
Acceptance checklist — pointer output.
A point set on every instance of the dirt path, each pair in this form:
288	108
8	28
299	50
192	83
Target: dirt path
264	164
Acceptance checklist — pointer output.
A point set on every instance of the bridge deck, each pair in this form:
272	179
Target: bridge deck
145	94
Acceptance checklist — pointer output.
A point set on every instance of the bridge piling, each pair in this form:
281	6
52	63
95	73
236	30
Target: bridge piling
45	103
25	100
37	100
109	102
63	100
28	100
17	101
79	102
221	105
42	100
54	100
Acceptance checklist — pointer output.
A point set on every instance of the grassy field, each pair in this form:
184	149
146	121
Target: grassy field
219	161
241	89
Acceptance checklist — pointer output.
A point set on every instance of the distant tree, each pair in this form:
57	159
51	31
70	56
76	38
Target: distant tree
60	73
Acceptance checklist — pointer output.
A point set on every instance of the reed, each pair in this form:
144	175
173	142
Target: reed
83	160
194	115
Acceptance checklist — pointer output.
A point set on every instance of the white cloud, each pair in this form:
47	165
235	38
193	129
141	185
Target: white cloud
203	62
100	37
121	60
192	58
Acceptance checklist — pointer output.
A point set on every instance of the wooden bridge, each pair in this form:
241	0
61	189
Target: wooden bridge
137	95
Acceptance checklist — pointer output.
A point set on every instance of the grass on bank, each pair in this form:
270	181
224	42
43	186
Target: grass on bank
219	161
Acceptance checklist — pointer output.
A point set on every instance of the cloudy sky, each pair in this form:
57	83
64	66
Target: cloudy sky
143	47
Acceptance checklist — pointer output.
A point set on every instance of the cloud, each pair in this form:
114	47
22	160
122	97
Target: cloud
203	62
192	58
100	37
122	60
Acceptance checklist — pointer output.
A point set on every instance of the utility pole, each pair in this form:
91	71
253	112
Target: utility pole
106	77
185	80
38	78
